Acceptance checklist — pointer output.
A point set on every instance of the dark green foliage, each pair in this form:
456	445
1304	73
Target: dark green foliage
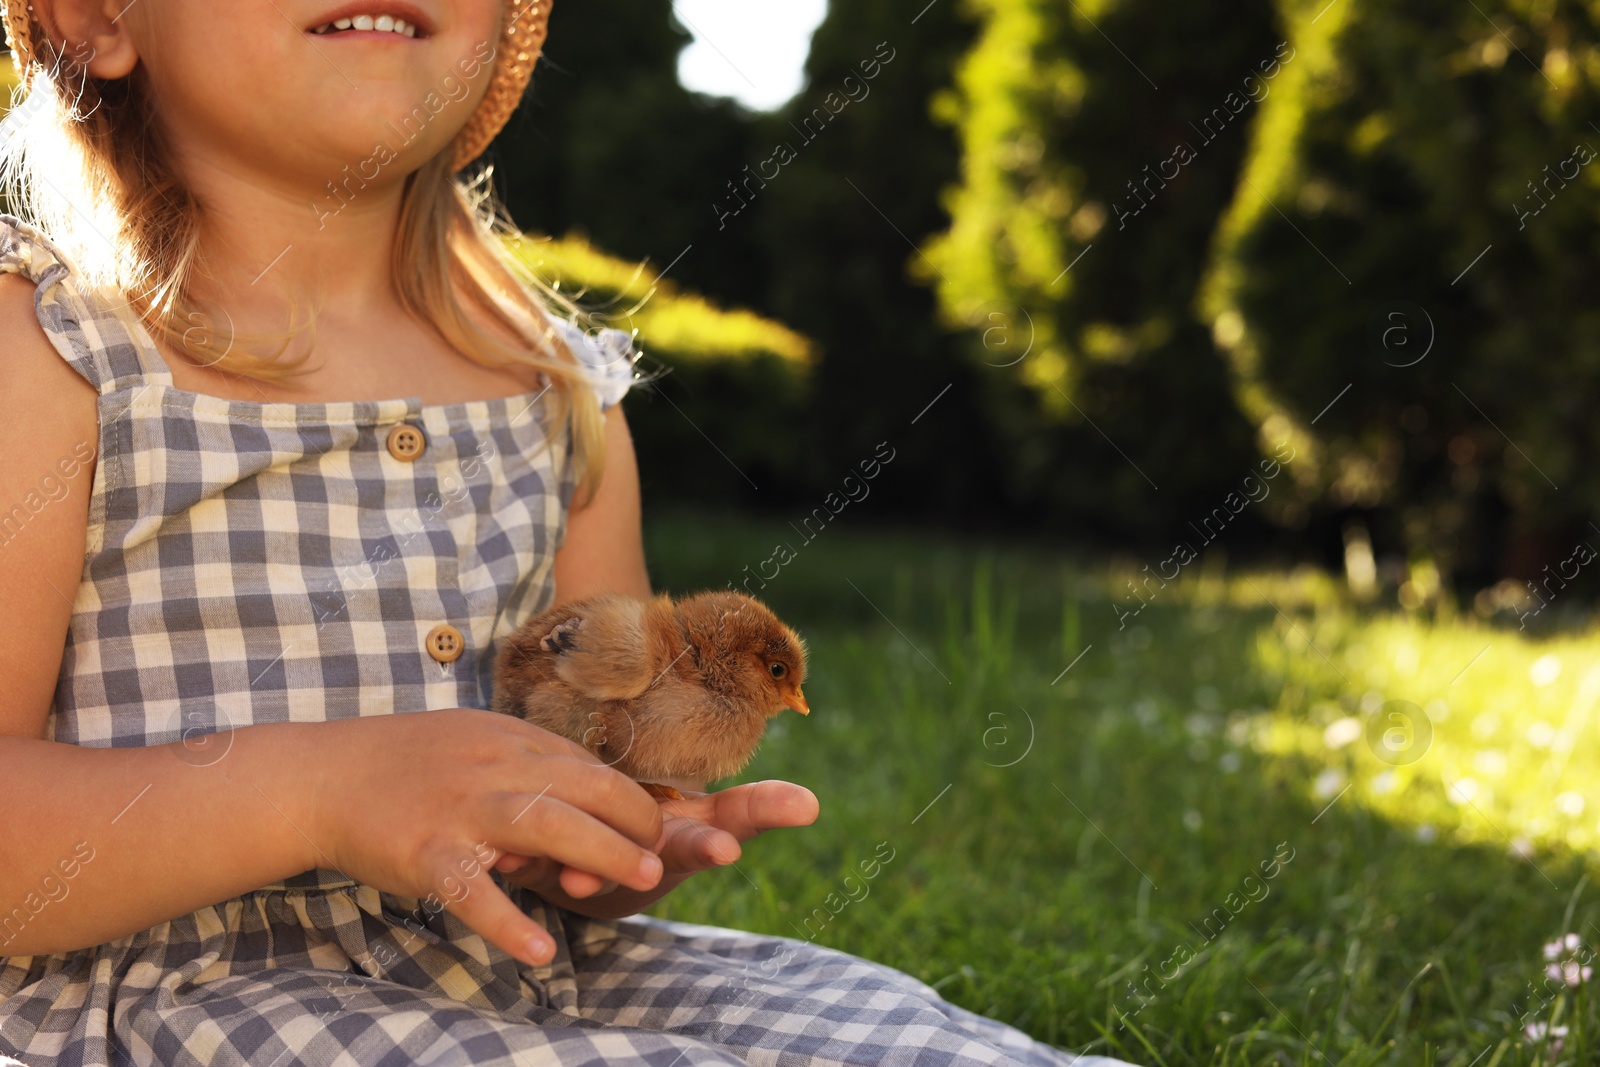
711	432
1220	308
1131	426
1418	127
821	233
837	222
610	144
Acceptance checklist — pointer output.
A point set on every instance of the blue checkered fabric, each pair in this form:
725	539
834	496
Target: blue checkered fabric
270	562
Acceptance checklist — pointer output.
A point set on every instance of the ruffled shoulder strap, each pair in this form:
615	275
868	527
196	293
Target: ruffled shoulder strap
608	355
88	331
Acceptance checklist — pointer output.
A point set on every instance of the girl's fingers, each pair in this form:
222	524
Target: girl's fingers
580	884
540	873
607	794
701	831
747	810
718	848
693	846
511	864
547	826
490	913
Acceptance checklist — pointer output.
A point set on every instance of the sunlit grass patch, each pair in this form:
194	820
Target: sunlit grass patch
1496	723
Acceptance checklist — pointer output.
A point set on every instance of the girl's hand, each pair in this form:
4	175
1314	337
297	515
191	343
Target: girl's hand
422	804
700	831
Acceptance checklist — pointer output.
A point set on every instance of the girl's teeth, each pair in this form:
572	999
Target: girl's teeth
384	23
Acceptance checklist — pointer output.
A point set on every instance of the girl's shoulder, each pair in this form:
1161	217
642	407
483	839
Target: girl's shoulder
48	396
27	251
40	385
45	308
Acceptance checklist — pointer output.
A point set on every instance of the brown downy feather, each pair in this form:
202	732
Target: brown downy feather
658	688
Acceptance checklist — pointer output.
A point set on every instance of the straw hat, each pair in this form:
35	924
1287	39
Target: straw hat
521	40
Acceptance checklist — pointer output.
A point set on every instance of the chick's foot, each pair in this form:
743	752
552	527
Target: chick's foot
562	637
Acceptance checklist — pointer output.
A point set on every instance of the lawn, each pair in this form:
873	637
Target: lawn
1170	837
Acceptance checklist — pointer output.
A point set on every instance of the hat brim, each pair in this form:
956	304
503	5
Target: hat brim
521	41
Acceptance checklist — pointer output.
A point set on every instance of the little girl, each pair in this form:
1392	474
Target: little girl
256	810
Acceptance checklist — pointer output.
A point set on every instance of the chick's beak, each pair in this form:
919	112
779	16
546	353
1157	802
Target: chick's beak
797	701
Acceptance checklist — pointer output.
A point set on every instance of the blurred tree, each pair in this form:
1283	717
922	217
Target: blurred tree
1405	281
609	146
853	166
1101	141
608	143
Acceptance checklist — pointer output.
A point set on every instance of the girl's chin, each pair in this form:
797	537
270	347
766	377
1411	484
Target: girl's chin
378	154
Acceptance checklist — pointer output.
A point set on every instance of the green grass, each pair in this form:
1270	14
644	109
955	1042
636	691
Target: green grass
1180	753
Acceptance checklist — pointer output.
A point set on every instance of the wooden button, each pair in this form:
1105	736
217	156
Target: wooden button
445	643
405	442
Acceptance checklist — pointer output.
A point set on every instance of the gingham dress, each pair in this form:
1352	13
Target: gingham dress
266	562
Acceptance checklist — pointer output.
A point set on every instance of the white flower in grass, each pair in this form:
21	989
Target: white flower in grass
1540	1030
1569	943
1570	971
1566	965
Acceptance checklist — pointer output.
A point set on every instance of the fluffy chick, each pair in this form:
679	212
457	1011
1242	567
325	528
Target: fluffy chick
657	688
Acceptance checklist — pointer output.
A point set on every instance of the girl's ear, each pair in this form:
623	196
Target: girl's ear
90	34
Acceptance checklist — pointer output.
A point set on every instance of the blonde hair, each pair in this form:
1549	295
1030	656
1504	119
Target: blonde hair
85	162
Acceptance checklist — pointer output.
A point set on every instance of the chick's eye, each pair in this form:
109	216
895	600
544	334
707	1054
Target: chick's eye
778	670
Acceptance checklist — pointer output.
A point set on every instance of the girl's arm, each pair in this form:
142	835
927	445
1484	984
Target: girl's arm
100	843
604	548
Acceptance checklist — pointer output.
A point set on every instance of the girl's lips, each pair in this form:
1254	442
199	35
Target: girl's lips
365	35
